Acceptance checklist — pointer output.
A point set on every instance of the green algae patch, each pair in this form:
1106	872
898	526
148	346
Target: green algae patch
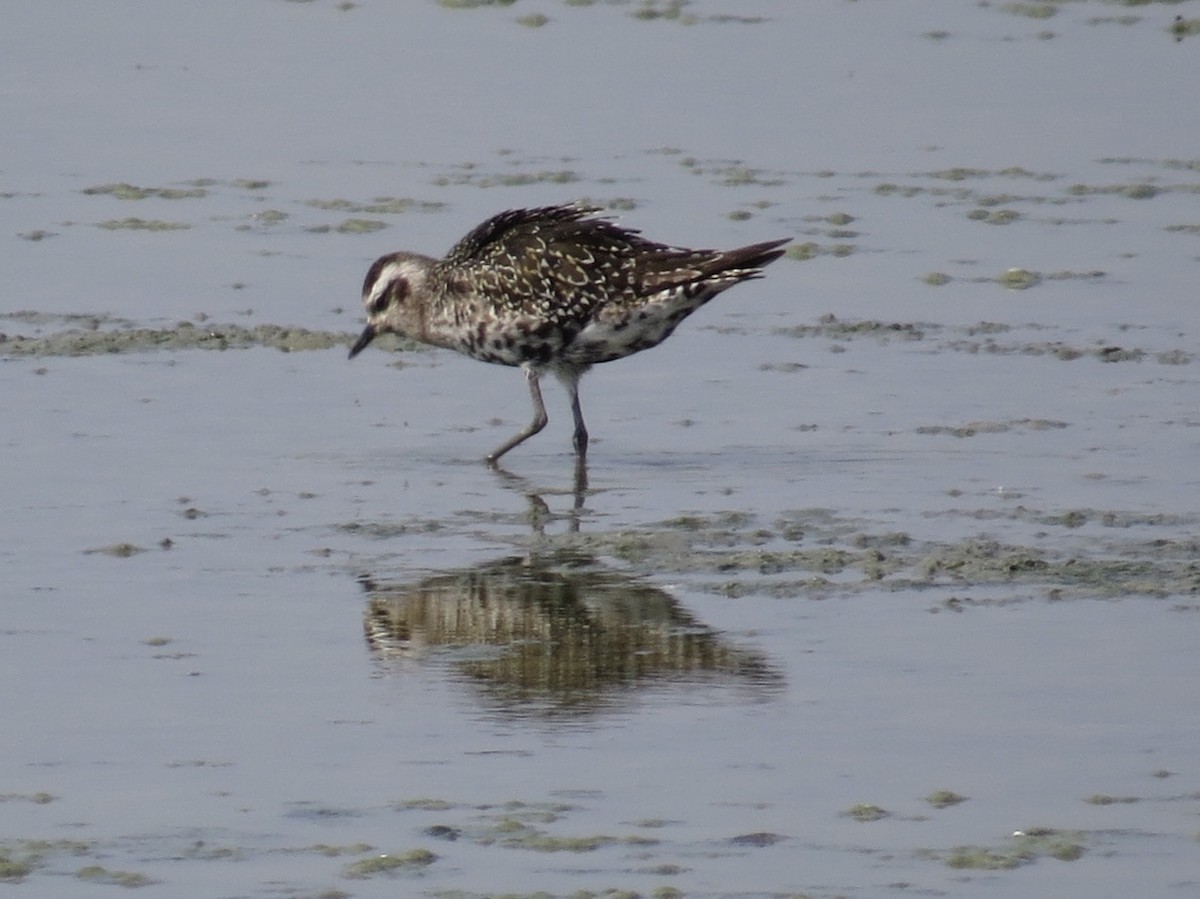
671	10
467	175
978	858
865	813
757	839
1105	799
123	191
802	252
1182	28
423	804
182	336
994	216
333	851
268	217
201	850
983	560
39	798
100	874
414	859
139	224
21	858
1023	848
740	175
377	205
814	553
473	4
14	870
360	226
1032	10
655	823
1018	279
514	834
521	825
944	799
117	550
547	843
971	429
832	327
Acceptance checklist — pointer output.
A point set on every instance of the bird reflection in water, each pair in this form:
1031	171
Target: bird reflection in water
556	635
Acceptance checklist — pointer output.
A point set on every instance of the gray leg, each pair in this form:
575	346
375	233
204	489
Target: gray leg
539	420
570	378
581	434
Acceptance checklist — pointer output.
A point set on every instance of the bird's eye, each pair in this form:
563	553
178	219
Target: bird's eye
396	291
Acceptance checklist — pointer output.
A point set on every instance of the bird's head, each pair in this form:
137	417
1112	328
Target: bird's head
388	291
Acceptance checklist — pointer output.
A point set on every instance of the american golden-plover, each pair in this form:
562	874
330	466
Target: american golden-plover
555	289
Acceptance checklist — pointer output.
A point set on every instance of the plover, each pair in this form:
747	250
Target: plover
556	288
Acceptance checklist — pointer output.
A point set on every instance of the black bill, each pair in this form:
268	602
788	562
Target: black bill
364	339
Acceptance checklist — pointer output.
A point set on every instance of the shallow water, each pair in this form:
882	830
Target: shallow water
850	538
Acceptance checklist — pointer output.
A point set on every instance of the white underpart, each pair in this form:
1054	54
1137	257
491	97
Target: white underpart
609	336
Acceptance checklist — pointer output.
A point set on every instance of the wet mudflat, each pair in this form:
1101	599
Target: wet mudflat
882	576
